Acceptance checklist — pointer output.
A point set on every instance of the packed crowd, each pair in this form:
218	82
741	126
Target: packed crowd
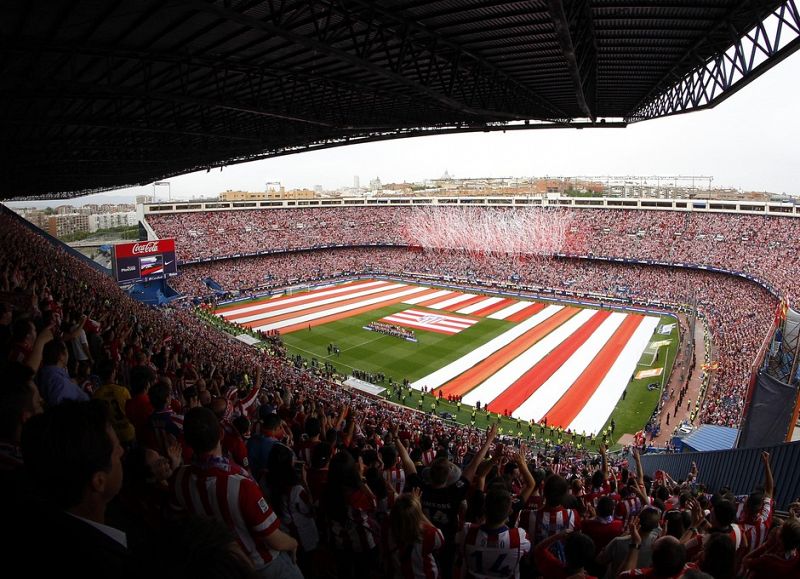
207	234
148	444
766	247
739	313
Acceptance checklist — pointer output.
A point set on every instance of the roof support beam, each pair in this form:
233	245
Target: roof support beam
709	81
444	58
578	45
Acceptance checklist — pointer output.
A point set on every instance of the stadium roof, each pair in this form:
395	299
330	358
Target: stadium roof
710	437
98	95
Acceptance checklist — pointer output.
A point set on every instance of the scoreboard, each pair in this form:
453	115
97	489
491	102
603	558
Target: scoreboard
144	260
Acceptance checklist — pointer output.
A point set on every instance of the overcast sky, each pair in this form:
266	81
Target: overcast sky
748	142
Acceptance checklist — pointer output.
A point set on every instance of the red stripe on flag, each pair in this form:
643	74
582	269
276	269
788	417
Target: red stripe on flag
298	300
388	290
526	313
481	371
441	319
528	383
463	304
437	300
565	410
410	324
495	307
239	305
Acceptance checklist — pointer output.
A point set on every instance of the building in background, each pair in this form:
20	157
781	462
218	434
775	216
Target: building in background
243	195
67	224
112	220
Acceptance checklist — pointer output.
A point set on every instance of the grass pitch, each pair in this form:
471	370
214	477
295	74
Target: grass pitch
398	359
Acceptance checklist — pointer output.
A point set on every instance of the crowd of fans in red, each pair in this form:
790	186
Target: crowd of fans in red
224	233
766	247
724	300
141	442
763	247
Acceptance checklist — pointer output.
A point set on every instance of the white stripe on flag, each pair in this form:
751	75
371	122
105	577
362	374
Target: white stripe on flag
479	305
306	296
596	411
440	320
340	309
315	303
451	302
453	369
512	309
422	325
457	319
511	372
425	298
541	401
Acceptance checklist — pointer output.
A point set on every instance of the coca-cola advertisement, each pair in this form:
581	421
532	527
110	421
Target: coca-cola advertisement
145	260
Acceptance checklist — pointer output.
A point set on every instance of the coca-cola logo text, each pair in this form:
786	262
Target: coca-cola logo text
148	247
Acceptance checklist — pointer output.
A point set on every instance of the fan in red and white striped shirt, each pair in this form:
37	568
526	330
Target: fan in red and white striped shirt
492	550
215	487
552	518
412	541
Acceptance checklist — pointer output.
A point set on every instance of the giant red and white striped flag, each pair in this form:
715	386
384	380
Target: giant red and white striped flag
433	322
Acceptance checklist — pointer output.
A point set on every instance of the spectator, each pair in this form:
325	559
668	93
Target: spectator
616	552
413	541
55	384
779	556
19	401
117	398
349	507
669	558
73	459
242	508
578	555
287	490
492	549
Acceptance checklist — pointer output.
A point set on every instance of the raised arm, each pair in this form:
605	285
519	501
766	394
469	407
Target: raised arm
640	489
259	379
34	359
693	472
530	482
342	416
604	466
469	472
633	548
349	430
769	483
408	465
74	330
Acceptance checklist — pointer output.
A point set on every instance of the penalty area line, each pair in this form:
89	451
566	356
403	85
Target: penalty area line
358	346
313	355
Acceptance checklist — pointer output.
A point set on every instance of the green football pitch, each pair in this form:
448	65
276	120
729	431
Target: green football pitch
397	359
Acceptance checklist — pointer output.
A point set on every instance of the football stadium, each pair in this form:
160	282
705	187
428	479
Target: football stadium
480	377
457	343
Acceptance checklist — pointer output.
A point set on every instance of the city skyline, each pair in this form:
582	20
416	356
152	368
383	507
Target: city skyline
747	142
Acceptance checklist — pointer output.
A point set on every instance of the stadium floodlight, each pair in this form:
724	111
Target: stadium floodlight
161	184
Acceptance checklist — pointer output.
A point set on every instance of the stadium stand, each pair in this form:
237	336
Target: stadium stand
754	247
104	95
54	297
764	247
